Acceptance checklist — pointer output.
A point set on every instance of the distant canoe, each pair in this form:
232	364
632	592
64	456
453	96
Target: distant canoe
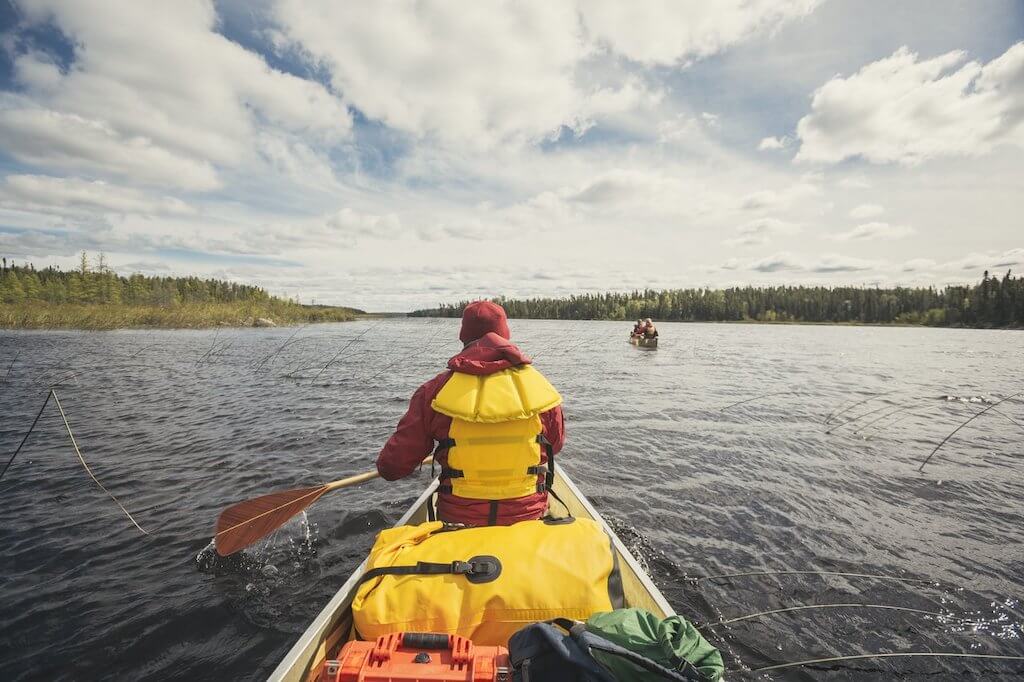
644	342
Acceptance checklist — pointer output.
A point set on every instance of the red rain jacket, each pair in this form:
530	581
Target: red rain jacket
421	427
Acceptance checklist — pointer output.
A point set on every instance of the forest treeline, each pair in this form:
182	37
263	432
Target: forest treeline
94	296
993	302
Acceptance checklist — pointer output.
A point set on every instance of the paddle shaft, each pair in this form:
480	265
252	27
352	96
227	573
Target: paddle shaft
360	478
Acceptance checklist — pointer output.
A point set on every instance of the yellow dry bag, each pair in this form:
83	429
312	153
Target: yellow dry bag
485	583
496	436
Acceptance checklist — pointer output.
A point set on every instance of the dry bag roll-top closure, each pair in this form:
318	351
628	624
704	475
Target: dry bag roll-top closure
496	437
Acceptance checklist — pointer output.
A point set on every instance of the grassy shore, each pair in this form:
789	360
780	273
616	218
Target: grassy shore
38	315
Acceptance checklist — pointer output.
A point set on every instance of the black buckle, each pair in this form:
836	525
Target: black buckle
463	568
479	569
483	569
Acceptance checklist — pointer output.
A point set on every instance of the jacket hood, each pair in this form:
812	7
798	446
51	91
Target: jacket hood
487	355
481	317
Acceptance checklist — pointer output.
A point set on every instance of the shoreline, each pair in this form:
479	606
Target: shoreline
112	317
754	322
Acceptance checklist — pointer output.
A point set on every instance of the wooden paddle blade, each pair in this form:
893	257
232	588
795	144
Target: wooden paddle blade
244	523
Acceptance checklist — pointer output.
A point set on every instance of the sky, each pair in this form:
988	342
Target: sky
396	155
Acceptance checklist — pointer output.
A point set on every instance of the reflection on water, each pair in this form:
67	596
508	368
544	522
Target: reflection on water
180	424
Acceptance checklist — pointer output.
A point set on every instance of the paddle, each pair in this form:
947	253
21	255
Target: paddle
244	523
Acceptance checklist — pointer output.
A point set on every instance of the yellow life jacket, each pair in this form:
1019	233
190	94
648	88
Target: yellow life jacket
496	436
487	582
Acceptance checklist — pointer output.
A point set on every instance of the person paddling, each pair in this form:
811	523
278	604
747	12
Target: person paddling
497	423
638	328
649	330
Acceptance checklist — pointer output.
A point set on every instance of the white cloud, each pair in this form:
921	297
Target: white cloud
46	194
904	110
832	263
772	143
854	182
787	262
992	261
155	92
764	198
918	264
66	141
664	32
344	228
350	222
865	211
710	119
760	231
776	263
874	230
473	73
484	74
772	199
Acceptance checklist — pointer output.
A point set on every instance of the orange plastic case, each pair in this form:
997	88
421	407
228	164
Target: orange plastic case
420	657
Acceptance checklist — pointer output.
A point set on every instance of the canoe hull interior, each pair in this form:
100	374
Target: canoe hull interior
332	627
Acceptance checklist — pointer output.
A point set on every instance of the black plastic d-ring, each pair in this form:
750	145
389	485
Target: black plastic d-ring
485	569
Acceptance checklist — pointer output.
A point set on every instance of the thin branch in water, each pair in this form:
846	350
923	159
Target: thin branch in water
834	415
426	347
88	470
888	426
857	418
213	345
579	342
62	381
11	366
748	400
27	434
751	616
786	572
1010	419
345	347
884	416
273	355
861	657
144	348
953	432
59	366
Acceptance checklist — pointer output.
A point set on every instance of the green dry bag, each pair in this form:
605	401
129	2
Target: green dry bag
670	642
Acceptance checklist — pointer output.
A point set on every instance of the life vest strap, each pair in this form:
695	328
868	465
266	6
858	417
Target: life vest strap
549	450
444	444
547	471
537	470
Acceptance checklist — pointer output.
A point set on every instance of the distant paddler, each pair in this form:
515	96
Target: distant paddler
649	330
497	424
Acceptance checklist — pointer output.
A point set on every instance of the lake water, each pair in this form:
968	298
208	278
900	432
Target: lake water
178	424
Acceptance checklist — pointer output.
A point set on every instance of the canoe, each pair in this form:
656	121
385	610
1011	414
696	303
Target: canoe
643	342
330	630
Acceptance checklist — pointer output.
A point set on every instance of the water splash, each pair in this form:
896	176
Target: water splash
1001	621
967	399
287	550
